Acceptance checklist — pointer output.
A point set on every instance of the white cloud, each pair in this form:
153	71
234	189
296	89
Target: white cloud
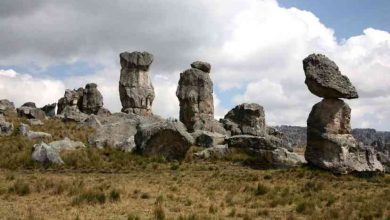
22	88
254	45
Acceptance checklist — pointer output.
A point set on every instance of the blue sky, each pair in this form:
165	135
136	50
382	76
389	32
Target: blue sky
347	17
255	48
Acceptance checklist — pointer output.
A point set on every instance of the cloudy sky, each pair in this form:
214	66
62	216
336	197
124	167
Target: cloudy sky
255	47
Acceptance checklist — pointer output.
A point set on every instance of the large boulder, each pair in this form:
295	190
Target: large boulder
50	109
135	87
324	79
246	119
330	144
92	99
71	98
267	151
208	139
44	153
195	94
6	128
6	105
117	130
168	139
72	113
29	110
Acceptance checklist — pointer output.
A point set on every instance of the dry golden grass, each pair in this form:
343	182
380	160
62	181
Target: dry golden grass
201	190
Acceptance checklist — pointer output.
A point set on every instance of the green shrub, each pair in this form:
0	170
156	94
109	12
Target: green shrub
20	188
261	189
115	195
90	197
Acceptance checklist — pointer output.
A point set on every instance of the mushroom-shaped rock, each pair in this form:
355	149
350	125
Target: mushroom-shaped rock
246	119
324	79
135	87
168	139
330	144
200	65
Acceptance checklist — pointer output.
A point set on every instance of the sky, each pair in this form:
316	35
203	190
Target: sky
255	47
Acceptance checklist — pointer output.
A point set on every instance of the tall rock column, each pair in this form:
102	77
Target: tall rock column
195	94
330	144
135	87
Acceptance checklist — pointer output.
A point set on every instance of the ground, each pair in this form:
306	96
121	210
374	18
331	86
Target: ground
109	184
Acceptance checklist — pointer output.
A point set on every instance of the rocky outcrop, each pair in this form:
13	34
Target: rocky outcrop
72	113
195	94
117	130
168	139
215	152
245	119
208	139
6	128
6	105
330	144
50	109
135	87
267	151
29	110
71	98
92	100
324	79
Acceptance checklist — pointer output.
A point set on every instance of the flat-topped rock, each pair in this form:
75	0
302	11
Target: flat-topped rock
200	65
139	60
324	79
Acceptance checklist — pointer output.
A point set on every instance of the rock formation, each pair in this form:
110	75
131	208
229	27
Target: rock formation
135	87
77	104
6	128
50	109
92	99
71	98
195	94
324	79
330	144
29	110
168	139
245	119
6	105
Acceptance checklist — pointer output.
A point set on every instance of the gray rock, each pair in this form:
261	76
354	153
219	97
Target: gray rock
246	119
50	109
66	144
92	100
208	139
330	144
195	94
218	151
117	130
6	128
103	112
324	79
204	66
44	153
29	111
6	105
268	151
384	158
168	139
72	113
71	98
135	87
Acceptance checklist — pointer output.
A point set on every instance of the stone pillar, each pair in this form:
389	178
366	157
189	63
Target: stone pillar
135	87
330	144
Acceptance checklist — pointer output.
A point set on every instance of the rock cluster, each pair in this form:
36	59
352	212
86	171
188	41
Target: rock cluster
30	110
135	87
76	105
195	94
330	144
6	105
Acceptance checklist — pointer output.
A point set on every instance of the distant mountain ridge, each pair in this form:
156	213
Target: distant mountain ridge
380	140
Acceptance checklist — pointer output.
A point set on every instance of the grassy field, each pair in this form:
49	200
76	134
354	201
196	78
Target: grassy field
109	184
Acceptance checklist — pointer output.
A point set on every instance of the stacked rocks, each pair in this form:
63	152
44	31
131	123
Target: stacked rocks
330	144
135	87
195	94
